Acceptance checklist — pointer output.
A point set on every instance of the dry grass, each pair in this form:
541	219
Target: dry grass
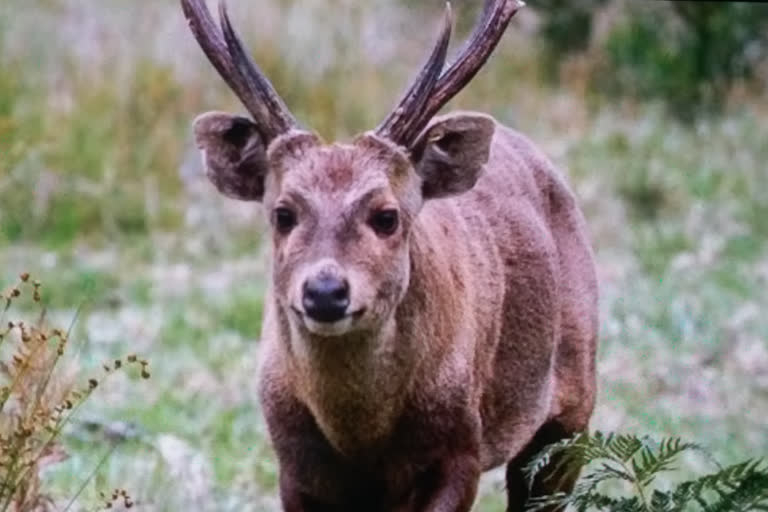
39	397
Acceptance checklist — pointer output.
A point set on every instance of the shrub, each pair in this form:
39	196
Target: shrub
566	28
687	55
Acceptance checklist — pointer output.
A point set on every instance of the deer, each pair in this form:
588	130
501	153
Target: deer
431	312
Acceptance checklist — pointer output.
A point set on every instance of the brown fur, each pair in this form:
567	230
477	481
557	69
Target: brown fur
475	345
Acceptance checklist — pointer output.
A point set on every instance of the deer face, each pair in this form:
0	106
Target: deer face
341	215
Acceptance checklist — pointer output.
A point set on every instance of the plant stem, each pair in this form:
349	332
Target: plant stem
90	477
638	487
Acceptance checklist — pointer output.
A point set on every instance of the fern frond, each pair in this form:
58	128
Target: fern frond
740	487
585	502
624	447
602	502
538	503
638	461
650	462
570	455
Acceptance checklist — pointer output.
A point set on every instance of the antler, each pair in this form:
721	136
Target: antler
237	69
408	119
400	121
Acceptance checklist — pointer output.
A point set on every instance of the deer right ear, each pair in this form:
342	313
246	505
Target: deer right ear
234	154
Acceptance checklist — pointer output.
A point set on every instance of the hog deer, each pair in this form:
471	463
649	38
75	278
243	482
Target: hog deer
432	308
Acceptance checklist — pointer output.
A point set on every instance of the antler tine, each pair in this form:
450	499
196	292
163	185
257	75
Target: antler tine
493	23
237	69
401	122
207	35
260	97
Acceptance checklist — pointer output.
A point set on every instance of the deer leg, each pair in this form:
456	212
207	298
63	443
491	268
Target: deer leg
546	482
450	486
293	500
290	496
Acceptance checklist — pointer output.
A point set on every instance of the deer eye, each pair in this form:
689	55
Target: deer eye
284	219
384	222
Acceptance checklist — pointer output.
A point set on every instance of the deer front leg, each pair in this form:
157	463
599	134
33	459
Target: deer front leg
295	500
292	499
450	486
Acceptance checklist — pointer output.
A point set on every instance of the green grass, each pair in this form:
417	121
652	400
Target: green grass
101	198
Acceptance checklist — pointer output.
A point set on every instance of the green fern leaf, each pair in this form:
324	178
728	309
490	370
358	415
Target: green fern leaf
650	464
639	461
740	487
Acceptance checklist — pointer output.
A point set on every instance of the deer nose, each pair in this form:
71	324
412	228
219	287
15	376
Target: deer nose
326	298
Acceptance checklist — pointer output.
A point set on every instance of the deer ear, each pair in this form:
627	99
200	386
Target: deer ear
234	154
451	152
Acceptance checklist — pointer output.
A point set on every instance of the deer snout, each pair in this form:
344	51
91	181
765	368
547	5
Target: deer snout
325	298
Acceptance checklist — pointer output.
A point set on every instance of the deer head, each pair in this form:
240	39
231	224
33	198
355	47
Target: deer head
341	215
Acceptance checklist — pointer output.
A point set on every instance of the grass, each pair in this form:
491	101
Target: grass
101	196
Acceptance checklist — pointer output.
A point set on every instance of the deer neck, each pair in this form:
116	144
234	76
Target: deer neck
355	386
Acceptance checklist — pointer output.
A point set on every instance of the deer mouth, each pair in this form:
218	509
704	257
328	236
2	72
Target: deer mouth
336	327
354	315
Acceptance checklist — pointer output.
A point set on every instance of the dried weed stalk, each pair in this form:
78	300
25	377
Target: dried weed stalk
38	397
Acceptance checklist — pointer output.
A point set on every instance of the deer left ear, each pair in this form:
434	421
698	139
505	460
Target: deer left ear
451	153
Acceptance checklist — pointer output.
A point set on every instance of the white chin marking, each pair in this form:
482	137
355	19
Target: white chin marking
328	329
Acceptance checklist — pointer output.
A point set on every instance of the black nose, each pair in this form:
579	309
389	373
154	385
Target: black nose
326	298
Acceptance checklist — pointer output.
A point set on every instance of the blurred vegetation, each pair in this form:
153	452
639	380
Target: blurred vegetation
689	55
105	147
655	111
566	29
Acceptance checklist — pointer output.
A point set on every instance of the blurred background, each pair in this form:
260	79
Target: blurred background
656	111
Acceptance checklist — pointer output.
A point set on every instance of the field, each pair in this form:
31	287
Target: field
102	198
